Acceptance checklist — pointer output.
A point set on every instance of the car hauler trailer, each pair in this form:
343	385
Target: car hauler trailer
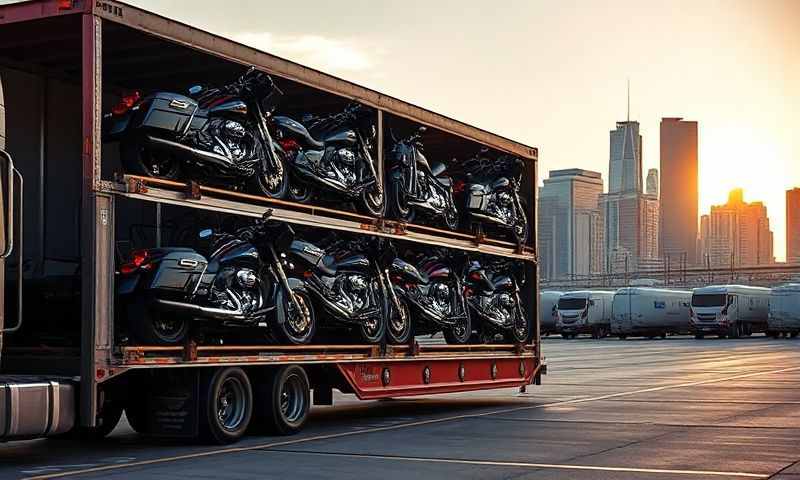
64	63
586	311
784	311
729	310
649	312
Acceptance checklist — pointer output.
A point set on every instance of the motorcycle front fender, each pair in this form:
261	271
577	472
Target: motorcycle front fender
281	299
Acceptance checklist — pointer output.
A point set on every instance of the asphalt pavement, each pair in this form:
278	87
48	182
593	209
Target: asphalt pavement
608	409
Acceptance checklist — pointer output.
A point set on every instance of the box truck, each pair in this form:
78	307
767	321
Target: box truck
650	312
584	312
729	311
784	311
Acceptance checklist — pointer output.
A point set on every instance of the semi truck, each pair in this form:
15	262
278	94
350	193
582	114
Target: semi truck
729	311
584	312
784	311
66	363
650	312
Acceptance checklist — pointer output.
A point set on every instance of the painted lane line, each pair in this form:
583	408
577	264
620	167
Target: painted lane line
432	421
558	466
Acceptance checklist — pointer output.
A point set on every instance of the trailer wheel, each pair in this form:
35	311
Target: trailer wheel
284	400
107	420
136	413
699	336
794	334
226	404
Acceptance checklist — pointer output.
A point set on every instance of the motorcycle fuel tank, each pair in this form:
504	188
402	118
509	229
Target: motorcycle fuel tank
307	252
343	136
406	271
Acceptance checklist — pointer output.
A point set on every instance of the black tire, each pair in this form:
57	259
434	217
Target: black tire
566	336
299	191
794	334
699	336
136	413
374	203
296	329
226	404
374	329
273	184
148	326
283	400
461	333
138	158
399	329
623	337
400	208
519	334
107	420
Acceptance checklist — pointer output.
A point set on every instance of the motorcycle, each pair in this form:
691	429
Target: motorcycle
495	201
493	295
241	283
220	134
332	153
344	282
431	292
419	186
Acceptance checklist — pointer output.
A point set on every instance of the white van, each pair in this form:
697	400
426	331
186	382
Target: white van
586	311
784	311
548	303
729	310
650	312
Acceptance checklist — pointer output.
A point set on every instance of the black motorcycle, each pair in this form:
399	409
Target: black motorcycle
241	283
495	201
431	293
492	292
332	153
344	282
419	186
219	134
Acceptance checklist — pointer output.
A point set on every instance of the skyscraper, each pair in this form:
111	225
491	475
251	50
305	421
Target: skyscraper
738	233
625	158
570	230
651	185
793	225
679	190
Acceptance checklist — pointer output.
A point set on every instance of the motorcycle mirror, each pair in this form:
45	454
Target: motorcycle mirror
195	89
205	233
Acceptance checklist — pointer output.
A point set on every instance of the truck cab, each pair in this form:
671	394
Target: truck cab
584	312
729	310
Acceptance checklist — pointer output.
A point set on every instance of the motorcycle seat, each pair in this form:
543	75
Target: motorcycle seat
330	266
298	130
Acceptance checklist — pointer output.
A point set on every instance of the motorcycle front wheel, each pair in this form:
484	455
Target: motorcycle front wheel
138	158
298	327
461	332
520	330
373	329
521	229
451	218
399	330
400	207
373	202
299	191
273	184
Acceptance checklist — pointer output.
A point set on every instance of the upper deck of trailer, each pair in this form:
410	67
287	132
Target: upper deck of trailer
45	35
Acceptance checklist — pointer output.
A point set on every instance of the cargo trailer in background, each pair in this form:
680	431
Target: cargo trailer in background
650	312
65	361
729	310
548	303
584	312
784	311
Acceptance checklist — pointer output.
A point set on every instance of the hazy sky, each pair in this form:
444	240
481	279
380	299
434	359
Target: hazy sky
553	74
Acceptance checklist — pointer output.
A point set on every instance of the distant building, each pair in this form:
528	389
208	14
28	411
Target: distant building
570	226
737	234
793	225
679	190
651	185
625	164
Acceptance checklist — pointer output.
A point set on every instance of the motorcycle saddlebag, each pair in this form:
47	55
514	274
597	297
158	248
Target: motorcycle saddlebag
168	111
179	270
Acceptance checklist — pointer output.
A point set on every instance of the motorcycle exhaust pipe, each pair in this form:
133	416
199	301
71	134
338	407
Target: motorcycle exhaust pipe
209	157
198	311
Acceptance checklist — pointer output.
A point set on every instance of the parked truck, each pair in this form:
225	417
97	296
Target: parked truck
584	312
729	311
650	312
784	311
67	362
548	303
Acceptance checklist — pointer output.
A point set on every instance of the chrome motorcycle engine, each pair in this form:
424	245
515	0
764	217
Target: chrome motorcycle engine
354	292
340	165
502	206
237	289
230	139
439	295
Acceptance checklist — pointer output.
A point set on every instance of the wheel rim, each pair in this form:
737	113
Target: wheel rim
231	406
299	191
374	199
167	329
292	398
272	181
400	321
460	329
299	322
451	217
